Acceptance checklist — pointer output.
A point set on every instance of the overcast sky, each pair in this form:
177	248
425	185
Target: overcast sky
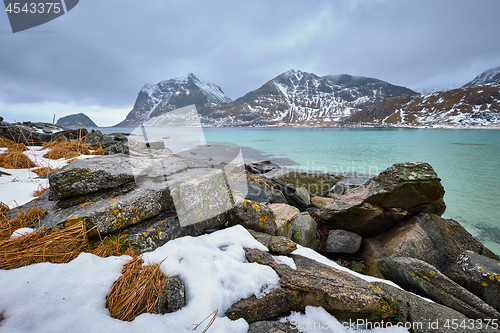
97	57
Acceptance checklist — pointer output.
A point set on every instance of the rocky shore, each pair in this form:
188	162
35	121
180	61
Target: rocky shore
388	226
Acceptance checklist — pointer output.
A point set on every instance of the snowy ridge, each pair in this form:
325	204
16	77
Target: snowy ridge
463	107
492	75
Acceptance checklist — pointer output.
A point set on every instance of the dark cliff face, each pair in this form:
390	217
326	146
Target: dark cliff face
76	120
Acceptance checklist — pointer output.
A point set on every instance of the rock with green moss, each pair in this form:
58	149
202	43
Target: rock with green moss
410	187
316	183
305	231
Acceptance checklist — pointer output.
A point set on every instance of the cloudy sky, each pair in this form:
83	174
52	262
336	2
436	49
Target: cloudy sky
97	57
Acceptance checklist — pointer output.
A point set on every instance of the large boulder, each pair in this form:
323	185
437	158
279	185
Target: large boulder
478	274
305	232
426	279
427	237
341	294
410	187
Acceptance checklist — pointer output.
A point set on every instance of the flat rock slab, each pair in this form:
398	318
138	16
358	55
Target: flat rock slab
81	177
418	275
285	214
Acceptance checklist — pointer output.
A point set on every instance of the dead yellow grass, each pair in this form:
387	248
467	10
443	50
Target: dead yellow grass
6	143
136	291
40	190
66	149
4	209
59	246
112	246
41	171
14	158
22	220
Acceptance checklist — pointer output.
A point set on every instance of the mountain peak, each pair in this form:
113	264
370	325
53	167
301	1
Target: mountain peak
491	75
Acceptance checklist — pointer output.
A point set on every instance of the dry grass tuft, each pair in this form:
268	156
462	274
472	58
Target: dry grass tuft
6	143
14	158
66	149
40	190
113	246
4	209
42	171
22	220
136	291
59	246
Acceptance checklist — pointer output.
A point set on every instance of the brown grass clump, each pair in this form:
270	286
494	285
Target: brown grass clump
6	143
42	171
136	291
14	158
4	209
112	246
22	220
40	190
66	149
59	246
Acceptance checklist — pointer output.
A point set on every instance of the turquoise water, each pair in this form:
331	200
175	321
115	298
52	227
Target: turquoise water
467	161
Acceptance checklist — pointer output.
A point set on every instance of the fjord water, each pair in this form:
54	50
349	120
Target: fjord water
466	160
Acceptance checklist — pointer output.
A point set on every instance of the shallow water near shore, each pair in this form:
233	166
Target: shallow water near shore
466	160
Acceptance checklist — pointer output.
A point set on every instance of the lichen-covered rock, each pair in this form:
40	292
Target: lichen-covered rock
285	214
412	187
427	237
422	316
304	194
320	202
304	231
341	294
254	216
418	275
271	327
173	296
342	241
282	245
90	175
316	183
478	274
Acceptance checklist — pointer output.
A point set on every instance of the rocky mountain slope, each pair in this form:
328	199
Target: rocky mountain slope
156	99
297	98
76	120
492	75
300	98
462	107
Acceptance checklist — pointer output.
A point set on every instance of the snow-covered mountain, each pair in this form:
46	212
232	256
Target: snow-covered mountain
473	106
156	99
492	75
300	98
